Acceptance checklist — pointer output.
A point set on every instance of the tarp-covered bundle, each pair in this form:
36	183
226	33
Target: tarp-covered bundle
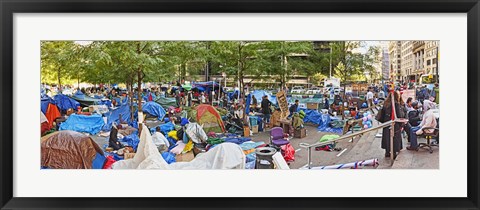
69	150
166	102
224	156
196	133
91	124
209	118
325	126
64	102
154	109
206	86
84	99
312	116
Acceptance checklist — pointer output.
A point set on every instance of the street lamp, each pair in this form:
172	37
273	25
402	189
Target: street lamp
224	78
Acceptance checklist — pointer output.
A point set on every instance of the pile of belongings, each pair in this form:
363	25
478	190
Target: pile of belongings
224	156
328	147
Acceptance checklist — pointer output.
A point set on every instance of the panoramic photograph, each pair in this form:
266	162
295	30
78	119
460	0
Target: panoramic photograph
203	105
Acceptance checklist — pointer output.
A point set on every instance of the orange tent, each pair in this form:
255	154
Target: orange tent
209	118
52	114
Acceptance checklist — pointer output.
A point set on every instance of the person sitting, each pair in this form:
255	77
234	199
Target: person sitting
408	104
113	140
414	115
428	121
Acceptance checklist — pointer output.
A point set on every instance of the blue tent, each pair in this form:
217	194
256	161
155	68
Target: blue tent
114	116
84	99
64	102
45	100
260	93
82	123
154	109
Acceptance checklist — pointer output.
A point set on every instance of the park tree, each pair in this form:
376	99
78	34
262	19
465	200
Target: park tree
56	61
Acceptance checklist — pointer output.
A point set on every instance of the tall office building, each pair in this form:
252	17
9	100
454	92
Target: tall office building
395	58
407	61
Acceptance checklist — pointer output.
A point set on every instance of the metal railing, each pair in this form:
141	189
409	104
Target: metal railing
348	136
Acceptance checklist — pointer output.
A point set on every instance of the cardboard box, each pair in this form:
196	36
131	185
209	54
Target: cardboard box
246	131
312	106
127	156
185	157
255	129
300	133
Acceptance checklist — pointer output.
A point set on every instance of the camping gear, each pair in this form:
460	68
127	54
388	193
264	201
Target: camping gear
223	156
64	102
52	114
82	123
70	150
264	158
85	100
154	109
276	137
209	118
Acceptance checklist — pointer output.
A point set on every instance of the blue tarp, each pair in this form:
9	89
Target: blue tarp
114	116
169	157
82	123
64	102
105	102
167	127
260	93
154	109
312	116
247	107
45	100
324	125
131	140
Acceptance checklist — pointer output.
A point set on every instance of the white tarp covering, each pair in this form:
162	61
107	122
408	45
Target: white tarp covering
223	156
196	133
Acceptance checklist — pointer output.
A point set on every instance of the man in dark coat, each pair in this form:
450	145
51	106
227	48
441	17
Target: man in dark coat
266	109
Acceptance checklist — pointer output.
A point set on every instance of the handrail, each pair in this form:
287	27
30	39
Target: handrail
348	136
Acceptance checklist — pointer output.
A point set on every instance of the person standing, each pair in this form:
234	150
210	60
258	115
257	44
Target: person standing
370	97
254	102
385	115
266	110
293	108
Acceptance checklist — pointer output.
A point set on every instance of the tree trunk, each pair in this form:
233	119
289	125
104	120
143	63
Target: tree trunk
139	88
59	83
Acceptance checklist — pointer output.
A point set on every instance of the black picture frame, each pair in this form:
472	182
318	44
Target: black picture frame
10	7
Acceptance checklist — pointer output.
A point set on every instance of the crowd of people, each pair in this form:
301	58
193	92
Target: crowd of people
420	119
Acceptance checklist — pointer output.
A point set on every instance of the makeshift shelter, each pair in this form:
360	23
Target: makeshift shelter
85	100
166	102
154	109
70	150
206	86
209	118
52	114
223	156
45	101
91	124
114	116
64	102
260	93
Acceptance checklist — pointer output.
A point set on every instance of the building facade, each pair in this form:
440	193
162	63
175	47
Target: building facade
407	61
385	64
431	57
395	59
